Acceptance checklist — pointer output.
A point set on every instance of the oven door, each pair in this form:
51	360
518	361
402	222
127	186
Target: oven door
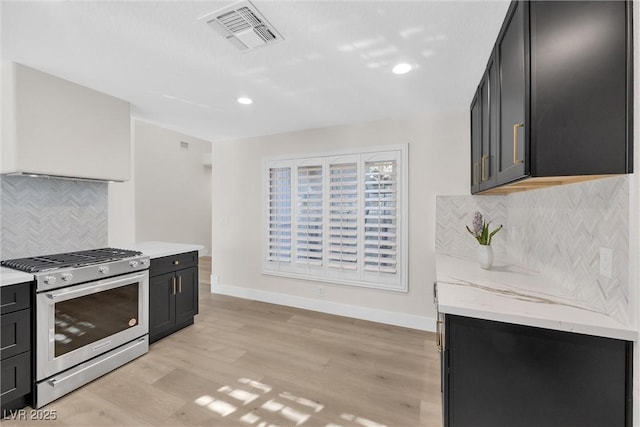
80	322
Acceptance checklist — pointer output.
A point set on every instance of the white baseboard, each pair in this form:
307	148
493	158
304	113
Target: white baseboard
329	307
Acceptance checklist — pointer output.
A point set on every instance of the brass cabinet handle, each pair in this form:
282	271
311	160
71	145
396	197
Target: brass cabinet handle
173	285
179	284
515	142
483	158
439	335
475	173
176	262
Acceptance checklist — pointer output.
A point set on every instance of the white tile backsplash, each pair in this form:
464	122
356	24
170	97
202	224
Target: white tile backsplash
558	231
40	216
453	213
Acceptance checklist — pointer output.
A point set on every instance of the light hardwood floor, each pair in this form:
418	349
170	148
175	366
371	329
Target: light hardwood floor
247	363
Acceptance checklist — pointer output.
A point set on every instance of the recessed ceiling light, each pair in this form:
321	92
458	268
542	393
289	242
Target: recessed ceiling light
245	101
402	68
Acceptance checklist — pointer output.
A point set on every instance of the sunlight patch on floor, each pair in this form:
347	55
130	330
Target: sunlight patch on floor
277	405
362	421
218	406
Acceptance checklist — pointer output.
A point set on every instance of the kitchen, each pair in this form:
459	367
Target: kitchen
436	151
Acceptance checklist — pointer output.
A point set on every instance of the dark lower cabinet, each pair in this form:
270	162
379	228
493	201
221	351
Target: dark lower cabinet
173	294
498	374
15	349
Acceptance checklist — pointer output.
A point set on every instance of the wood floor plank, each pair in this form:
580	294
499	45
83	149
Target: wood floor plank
248	363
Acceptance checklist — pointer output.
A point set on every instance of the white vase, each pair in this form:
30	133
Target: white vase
485	256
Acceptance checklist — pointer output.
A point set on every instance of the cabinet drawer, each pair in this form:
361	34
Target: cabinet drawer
15	334
15	381
173	263
15	297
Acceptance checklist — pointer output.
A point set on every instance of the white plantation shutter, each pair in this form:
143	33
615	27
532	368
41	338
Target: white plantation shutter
343	216
309	215
380	219
279	223
339	218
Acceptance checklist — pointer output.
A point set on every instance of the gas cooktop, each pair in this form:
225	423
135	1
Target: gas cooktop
69	260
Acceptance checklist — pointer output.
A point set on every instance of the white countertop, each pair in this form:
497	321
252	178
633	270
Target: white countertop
160	249
9	276
512	294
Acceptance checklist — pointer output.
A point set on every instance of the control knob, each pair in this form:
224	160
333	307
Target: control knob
67	277
133	264
50	280
144	262
103	269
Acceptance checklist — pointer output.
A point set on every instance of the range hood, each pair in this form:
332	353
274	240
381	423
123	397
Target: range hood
58	129
72	178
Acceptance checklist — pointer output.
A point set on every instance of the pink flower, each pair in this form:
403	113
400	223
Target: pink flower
480	229
477	223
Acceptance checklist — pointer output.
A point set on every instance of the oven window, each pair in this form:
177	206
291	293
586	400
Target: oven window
85	320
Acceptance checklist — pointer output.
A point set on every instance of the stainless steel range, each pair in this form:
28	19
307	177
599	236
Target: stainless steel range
91	316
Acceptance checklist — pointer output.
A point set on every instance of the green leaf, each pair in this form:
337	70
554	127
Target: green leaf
493	233
485	234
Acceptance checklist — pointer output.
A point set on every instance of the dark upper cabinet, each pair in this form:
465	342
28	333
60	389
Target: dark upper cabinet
560	96
580	79
484	131
476	142
511	53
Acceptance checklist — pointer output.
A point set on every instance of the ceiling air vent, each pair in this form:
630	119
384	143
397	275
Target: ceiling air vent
243	25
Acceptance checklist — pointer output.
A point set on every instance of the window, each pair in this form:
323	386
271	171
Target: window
309	215
343	216
380	222
279	239
339	218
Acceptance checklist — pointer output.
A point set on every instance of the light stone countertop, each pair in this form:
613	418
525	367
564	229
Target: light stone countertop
512	294
161	249
9	276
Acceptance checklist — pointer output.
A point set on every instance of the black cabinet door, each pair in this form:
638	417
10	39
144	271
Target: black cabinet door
489	95
15	334
162	311
501	374
579	87
512	50
15	379
15	297
187	294
476	142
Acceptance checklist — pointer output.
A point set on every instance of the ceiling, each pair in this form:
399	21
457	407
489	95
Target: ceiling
333	66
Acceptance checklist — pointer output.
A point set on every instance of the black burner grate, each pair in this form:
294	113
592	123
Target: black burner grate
70	259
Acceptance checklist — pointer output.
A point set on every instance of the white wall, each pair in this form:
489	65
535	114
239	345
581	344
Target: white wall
122	205
438	164
172	187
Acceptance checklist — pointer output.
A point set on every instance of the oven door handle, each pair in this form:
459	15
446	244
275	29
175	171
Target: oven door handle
54	382
103	284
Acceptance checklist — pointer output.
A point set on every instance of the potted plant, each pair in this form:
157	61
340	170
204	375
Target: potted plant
480	230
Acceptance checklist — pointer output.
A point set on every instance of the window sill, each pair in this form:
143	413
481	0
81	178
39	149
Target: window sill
349	282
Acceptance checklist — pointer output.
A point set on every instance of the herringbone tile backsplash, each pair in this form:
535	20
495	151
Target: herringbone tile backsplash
557	231
453	213
40	216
